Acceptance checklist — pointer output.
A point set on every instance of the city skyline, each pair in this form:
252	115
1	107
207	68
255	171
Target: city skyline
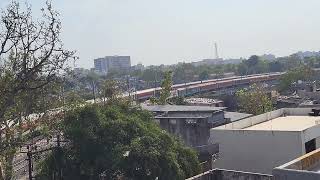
166	32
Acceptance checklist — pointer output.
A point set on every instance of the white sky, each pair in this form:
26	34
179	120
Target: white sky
169	31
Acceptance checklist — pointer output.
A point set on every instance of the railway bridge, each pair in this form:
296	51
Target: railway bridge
224	85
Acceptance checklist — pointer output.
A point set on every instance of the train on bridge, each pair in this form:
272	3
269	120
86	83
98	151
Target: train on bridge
188	89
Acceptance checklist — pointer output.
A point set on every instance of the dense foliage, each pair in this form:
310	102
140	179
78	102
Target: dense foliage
115	141
165	92
254	100
303	73
32	60
152	76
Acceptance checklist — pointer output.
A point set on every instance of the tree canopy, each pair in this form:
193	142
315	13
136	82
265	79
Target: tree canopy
165	92
119	140
303	73
254	100
32	60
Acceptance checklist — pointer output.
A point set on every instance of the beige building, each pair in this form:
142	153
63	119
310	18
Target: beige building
306	167
261	143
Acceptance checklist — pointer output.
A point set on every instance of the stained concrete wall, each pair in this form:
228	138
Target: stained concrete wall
312	95
221	174
304	168
289	174
297	111
311	133
193	134
265	117
256	151
252	120
260	151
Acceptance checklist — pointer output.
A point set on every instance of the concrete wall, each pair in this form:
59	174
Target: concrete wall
221	174
256	151
265	117
311	133
252	120
299	168
289	174
193	131
312	95
318	142
193	134
297	111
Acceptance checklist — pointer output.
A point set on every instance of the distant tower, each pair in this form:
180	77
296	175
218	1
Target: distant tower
216	50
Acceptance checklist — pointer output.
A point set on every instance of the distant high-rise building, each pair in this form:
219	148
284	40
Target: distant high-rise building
112	63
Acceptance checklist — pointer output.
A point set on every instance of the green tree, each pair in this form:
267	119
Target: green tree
254	101
118	141
165	92
93	79
152	75
293	75
204	75
242	69
110	90
32	59
253	61
275	66
177	100
183	73
166	87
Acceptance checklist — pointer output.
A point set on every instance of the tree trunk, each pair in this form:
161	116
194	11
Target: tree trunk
1	172
9	165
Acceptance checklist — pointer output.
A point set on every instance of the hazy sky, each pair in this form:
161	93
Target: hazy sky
169	31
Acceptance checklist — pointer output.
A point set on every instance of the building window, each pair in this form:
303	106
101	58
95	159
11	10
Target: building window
310	145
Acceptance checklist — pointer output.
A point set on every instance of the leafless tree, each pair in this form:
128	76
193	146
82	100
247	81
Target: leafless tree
32	58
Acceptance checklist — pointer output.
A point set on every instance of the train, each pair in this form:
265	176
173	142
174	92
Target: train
188	89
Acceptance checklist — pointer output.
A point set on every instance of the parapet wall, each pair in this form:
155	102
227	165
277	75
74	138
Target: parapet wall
289	174
306	162
247	122
222	174
300	168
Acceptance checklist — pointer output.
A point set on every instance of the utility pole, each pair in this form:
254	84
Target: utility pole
29	155
93	91
128	86
59	157
155	84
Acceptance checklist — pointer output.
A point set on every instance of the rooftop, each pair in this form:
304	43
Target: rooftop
236	116
179	108
203	100
288	123
286	119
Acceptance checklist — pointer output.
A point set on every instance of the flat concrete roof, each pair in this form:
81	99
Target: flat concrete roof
285	119
181	108
288	123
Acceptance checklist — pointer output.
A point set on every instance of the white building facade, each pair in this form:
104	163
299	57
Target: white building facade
112	63
261	143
